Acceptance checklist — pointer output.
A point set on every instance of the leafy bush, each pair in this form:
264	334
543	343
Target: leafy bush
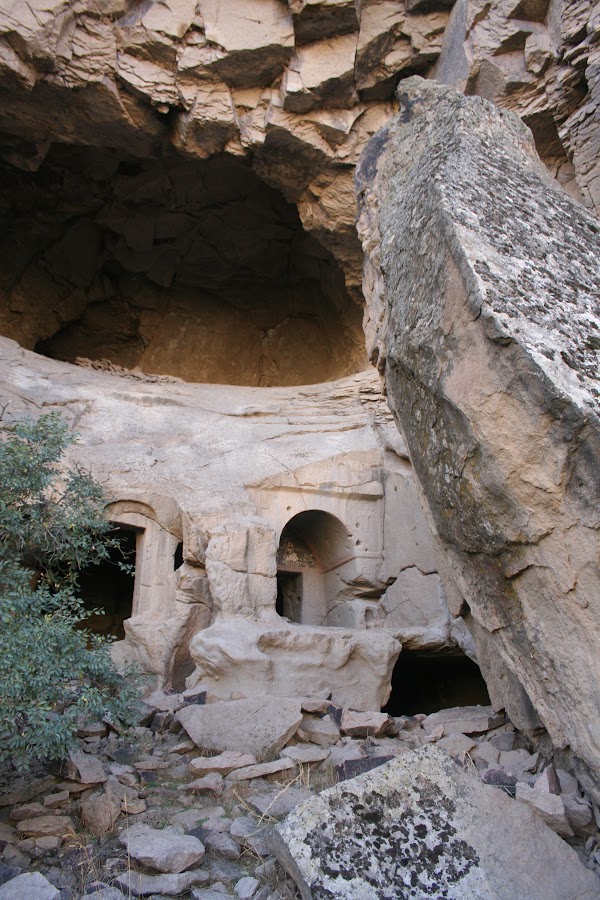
53	672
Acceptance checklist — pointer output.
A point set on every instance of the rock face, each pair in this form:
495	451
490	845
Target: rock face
420	827
539	59
220	471
187	167
483	282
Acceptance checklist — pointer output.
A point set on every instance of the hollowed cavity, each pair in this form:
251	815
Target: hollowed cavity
190	268
425	682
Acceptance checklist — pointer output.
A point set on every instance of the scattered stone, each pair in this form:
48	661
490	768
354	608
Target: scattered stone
212	783
247	887
302	754
165	850
8	872
505	740
548	781
8	834
57	799
44	825
278	802
28	811
170	885
85	768
346	841
223	764
48	842
163	702
365	724
28	886
314	705
319	731
222	843
548	806
464	719
260	726
486	752
217	823
456	745
579	813
12	856
190	818
263	770
100	813
251	834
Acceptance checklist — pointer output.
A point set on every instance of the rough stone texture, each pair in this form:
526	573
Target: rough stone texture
29	886
259	726
222	764
484	319
259	458
276	658
539	59
141	885
165	849
243	230
289	95
420	827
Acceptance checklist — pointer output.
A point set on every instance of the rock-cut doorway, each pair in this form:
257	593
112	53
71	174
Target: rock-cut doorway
312	546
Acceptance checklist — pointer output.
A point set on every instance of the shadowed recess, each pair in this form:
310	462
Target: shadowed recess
189	268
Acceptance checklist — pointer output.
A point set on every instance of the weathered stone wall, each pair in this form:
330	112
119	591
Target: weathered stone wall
483	280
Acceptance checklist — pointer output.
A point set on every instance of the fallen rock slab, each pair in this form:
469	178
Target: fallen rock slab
263	770
222	764
306	754
463	719
278	802
42	826
421	827
365	724
208	784
164	849
319	731
140	885
260	726
85	768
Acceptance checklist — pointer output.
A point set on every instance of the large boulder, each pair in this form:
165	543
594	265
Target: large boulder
277	658
261	726
421	827
482	281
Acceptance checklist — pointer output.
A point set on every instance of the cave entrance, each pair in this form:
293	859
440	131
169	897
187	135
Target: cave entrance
189	268
312	546
109	588
425	682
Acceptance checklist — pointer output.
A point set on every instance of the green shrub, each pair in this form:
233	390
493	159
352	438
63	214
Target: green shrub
53	672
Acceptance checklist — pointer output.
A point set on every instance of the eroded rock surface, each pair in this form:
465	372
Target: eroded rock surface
177	176
420	827
483	281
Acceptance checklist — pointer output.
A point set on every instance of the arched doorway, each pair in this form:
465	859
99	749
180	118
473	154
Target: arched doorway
312	546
